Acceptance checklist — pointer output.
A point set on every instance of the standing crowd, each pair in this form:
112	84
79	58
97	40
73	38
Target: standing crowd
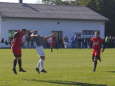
76	41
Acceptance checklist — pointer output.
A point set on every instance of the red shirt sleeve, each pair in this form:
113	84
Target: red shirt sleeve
101	40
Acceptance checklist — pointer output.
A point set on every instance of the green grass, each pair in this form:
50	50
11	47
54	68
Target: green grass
66	67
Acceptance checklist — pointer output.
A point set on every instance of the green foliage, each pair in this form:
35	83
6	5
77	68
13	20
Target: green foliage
61	2
57	2
84	2
106	8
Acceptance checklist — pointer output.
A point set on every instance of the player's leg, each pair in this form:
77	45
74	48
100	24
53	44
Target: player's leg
40	65
15	61
20	65
95	63
41	62
95	66
14	64
20	61
98	56
51	46
95	55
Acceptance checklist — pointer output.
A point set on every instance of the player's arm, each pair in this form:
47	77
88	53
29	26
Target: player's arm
15	34
52	35
104	46
33	35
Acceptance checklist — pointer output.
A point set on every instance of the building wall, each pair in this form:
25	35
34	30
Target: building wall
0	27
69	27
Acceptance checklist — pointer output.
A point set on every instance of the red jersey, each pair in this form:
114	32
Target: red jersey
96	43
17	41
52	41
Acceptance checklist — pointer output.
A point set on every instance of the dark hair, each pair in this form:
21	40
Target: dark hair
23	29
97	32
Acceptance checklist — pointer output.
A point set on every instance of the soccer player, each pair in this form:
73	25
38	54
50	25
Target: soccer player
52	43
38	41
16	49
96	46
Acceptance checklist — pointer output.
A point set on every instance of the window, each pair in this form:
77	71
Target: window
88	33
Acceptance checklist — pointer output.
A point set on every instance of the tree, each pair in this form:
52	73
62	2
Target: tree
60	2
64	2
56	2
106	8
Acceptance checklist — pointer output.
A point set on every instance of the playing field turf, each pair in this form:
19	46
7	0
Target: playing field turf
66	67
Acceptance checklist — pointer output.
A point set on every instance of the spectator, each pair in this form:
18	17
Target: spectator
66	41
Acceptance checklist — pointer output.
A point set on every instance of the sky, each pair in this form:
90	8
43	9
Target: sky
25	1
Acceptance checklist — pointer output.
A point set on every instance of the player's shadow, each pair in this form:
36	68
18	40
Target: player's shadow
111	71
66	82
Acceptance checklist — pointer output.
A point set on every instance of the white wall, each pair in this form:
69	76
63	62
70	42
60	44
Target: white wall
46	26
0	27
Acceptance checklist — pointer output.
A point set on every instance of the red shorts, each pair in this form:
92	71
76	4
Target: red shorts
16	51
96	53
52	44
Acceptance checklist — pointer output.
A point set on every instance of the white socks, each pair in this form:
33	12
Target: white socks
40	64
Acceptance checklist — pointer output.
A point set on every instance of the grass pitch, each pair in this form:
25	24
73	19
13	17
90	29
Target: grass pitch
66	67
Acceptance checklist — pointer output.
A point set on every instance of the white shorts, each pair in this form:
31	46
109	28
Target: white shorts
40	50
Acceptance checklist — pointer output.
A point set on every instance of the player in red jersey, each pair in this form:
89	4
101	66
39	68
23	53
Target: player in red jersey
16	49
97	43
52	43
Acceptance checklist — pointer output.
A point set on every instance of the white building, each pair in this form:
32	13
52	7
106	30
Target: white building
48	18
